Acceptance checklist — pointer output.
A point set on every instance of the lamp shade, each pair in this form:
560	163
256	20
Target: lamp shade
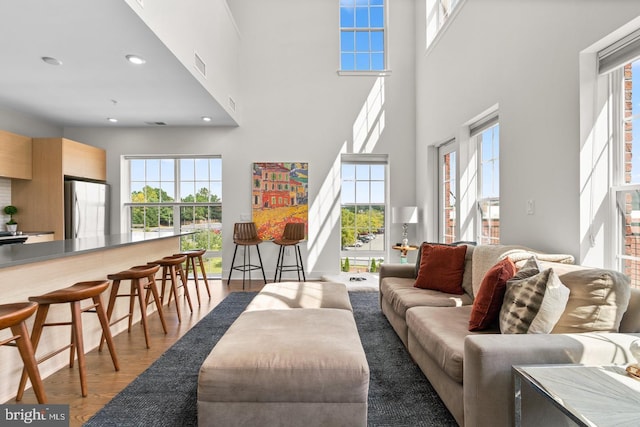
405	215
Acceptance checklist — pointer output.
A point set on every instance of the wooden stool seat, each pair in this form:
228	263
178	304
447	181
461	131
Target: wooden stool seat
142	278
73	295
171	269
195	256
13	316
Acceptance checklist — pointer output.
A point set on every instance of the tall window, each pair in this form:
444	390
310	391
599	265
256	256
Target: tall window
179	194
362	35
488	149
448	196
438	12
620	65
363	212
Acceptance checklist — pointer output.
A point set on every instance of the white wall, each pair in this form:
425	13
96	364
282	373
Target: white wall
296	108
523	56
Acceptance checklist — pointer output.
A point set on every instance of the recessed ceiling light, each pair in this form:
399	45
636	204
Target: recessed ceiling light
51	61
206	118
135	59
112	120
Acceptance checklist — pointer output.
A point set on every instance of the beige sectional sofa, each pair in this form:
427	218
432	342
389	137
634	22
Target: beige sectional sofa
472	371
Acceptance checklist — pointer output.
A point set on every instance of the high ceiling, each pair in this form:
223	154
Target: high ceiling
95	81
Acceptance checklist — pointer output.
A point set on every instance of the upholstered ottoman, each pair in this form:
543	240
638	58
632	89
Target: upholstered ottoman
286	295
286	368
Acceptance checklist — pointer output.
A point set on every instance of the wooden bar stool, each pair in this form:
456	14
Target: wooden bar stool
142	278
292	235
73	295
245	234
171	270
192	257
13	316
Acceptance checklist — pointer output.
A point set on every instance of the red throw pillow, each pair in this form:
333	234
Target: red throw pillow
486	305
441	268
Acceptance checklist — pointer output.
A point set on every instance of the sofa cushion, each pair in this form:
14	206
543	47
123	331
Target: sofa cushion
486	305
442	268
440	331
598	298
485	257
402	295
533	304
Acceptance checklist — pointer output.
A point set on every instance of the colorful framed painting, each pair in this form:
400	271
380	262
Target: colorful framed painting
280	194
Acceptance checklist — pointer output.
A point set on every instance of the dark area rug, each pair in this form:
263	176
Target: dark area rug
165	394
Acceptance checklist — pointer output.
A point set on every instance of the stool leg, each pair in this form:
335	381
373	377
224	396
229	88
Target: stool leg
191	264
106	332
233	260
76	326
36	333
26	352
134	289
174	289
204	274
115	285
280	251
183	277
299	255
244	264
143	309
261	267
154	291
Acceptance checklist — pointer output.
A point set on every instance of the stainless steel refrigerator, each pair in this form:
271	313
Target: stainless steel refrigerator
86	209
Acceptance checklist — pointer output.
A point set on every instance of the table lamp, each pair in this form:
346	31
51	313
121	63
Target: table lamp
405	215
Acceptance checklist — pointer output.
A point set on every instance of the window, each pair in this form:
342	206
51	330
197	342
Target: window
486	135
363	212
624	87
448	192
362	35
438	12
178	195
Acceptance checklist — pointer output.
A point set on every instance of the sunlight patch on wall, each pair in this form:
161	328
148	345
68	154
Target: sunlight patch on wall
324	212
369	123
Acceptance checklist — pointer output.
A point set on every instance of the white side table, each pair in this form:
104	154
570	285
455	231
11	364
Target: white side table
587	395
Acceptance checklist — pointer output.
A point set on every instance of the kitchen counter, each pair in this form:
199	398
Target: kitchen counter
12	255
34	269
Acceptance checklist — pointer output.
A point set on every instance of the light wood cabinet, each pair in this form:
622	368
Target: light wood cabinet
15	155
40	201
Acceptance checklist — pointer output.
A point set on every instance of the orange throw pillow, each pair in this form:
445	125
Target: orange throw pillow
441	268
486	305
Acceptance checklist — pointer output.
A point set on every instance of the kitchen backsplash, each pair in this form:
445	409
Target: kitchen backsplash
5	198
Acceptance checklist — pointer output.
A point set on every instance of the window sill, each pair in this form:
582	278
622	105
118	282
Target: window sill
365	73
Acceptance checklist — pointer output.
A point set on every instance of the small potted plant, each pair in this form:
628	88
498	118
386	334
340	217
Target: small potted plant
11	210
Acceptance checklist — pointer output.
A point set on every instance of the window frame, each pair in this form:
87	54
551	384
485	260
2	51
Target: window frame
447	149
176	205
384	30
476	131
370	160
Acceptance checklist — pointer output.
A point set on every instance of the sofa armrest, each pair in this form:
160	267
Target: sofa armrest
407	271
488	360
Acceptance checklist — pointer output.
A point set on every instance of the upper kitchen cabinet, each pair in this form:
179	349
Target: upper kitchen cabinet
15	156
41	200
82	161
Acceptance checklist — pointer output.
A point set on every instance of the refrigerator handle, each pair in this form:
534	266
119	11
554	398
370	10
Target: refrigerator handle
76	206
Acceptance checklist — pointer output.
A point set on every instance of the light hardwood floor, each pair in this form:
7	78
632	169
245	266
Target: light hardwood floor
104	383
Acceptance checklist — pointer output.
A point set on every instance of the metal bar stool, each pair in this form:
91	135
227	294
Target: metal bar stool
171	269
13	316
142	278
245	234
73	295
292	235
192	257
